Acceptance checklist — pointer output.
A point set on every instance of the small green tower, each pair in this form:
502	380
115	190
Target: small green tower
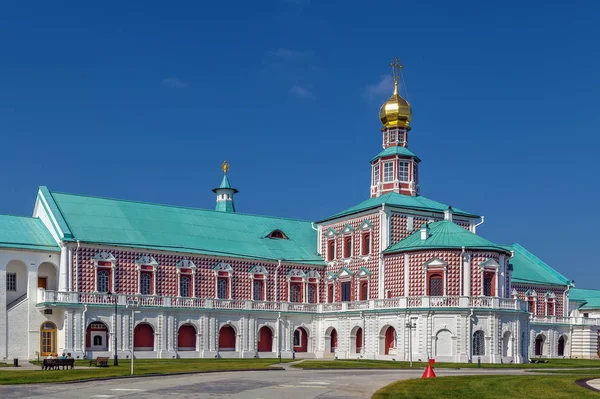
225	192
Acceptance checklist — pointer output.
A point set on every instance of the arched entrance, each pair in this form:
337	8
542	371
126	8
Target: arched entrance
227	338
186	338
265	339
143	337
331	340
561	346
356	340
48	339
96	336
539	345
301	340
46	277
443	343
507	344
387	340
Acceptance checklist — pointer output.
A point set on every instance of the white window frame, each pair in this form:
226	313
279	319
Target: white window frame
226	280
11	281
103	271
185	263
146	264
143	275
388	167
105	257
402	136
403	166
188	278
393	136
376	177
259	270
295	273
344	238
223	267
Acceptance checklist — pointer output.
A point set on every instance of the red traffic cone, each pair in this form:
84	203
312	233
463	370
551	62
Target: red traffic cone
429	373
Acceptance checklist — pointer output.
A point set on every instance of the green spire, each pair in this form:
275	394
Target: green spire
225	182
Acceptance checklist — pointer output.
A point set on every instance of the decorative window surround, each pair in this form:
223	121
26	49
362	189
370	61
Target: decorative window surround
186	267
104	260
331	244
366	228
258	274
147	264
435	265
531	297
550	298
223	270
314	279
490	266
296	276
364	277
330	282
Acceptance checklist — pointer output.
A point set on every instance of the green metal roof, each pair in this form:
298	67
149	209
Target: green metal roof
225	184
444	234
396	200
529	269
189	230
396	150
25	233
590	297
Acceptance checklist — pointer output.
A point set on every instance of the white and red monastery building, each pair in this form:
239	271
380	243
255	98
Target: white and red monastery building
397	276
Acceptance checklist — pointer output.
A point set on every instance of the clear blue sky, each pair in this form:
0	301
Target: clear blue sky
144	100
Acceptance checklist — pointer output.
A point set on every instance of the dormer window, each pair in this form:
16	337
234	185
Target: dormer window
277	234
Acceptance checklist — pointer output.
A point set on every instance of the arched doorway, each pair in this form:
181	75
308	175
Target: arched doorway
356	340
227	338
46	277
539	345
186	338
387	340
443	343
507	344
96	336
143	337
301	340
561	346
333	341
48	339
265	339
478	343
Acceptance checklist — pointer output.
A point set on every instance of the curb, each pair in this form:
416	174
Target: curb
583	383
149	375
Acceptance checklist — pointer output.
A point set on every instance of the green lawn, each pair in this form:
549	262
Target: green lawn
142	367
385	364
486	386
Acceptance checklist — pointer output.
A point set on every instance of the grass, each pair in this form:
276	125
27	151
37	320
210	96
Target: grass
142	367
493	387
385	364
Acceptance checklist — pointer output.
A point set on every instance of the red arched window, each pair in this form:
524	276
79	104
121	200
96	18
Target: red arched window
364	288
347	247
366	244
436	285
330	250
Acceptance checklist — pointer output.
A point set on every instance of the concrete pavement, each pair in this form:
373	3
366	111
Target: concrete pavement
288	384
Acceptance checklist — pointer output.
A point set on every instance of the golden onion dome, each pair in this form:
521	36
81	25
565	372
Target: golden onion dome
396	111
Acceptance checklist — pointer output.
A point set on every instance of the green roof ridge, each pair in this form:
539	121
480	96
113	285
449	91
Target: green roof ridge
396	150
444	234
528	268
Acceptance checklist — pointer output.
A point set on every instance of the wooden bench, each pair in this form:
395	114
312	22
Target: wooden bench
99	362
55	364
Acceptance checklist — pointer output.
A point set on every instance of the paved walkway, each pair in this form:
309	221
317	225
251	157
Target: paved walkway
594	384
272	384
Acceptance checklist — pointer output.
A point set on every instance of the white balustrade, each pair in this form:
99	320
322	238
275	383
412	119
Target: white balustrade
443	301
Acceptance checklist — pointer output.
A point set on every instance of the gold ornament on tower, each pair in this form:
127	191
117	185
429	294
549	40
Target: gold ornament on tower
225	167
396	111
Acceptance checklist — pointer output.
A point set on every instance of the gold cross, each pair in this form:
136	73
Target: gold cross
396	68
225	167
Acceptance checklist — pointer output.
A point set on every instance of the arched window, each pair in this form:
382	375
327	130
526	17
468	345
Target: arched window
97	340
145	284
222	288
364	291
330	293
312	294
330	250
478	343
184	286
103	280
347	247
258	290
294	293
366	244
436	285
539	345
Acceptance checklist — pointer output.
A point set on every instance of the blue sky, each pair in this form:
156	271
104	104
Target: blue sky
144	100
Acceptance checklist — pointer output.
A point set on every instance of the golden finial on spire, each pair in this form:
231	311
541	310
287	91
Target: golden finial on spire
225	167
397	68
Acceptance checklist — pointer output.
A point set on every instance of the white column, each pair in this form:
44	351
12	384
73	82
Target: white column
467	274
62	271
70	269
501	279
